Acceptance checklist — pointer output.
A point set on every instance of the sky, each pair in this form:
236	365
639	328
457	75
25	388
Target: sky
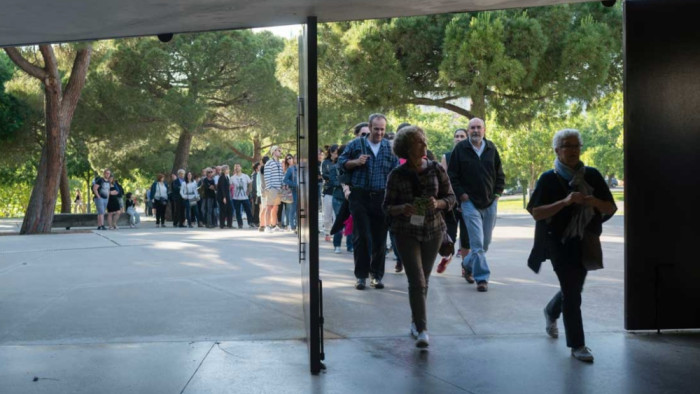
288	31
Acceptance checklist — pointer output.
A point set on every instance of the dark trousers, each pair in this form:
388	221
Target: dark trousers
256	212
237	204
369	231
453	220
160	211
571	273
225	213
208	211
178	210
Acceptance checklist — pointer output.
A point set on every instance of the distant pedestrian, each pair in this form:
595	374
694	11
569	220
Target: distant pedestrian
159	193
100	190
241	184
130	204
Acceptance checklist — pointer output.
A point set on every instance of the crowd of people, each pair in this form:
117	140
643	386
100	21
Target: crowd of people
389	185
386	184
267	197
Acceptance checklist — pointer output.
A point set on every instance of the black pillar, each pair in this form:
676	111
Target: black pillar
662	164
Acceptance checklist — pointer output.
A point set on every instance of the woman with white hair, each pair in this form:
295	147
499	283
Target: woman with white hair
570	204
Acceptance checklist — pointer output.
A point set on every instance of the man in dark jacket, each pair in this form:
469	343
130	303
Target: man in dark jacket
178	206
477	179
223	193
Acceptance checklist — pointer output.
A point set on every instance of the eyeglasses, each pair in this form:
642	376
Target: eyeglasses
475	127
566	146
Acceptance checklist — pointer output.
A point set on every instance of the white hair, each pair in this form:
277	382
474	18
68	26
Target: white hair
564	134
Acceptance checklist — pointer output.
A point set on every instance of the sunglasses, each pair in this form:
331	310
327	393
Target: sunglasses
364	134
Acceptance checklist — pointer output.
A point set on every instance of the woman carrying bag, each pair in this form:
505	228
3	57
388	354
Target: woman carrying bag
570	204
416	193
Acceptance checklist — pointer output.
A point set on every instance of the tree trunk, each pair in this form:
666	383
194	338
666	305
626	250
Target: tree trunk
256	149
182	153
42	202
60	106
478	108
64	188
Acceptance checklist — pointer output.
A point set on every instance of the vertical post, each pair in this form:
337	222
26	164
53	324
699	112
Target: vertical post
312	139
662	137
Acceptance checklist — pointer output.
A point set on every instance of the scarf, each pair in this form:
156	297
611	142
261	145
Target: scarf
582	214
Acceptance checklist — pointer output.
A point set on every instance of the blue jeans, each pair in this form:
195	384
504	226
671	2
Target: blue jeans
480	224
338	237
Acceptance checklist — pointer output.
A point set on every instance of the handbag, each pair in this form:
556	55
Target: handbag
592	252
447	248
286	195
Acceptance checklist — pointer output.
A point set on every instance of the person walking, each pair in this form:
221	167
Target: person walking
179	204
477	179
254	196
100	190
338	199
327	190
241	184
369	161
190	196
78	202
114	208
159	193
417	192
453	219
209	200
223	195
273	184
291	182
570	204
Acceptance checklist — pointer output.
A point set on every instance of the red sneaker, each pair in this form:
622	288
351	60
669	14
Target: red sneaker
442	265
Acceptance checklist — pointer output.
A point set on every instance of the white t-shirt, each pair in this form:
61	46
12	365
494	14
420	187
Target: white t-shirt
375	147
240	186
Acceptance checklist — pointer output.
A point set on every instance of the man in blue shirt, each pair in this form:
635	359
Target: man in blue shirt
369	161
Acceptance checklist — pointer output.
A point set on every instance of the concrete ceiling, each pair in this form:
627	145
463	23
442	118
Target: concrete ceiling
25	22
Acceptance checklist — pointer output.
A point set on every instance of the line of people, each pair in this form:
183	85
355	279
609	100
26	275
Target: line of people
214	198
401	188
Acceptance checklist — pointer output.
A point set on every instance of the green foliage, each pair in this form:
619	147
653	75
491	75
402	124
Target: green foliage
13	111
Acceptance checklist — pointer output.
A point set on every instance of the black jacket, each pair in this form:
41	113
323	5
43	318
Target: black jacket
481	178
223	188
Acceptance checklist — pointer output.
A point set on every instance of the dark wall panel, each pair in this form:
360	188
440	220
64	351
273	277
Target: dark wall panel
662	169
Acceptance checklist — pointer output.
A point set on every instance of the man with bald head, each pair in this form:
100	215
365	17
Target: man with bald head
477	179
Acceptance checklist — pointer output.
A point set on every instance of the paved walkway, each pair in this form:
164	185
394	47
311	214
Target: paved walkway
214	311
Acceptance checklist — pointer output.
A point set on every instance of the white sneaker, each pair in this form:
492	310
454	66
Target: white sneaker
582	353
277	229
423	340
337	250
550	325
414	330
268	229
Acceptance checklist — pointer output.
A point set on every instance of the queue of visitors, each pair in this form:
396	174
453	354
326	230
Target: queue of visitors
383	185
378	186
211	199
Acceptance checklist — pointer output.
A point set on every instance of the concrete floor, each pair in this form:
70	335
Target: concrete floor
219	311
